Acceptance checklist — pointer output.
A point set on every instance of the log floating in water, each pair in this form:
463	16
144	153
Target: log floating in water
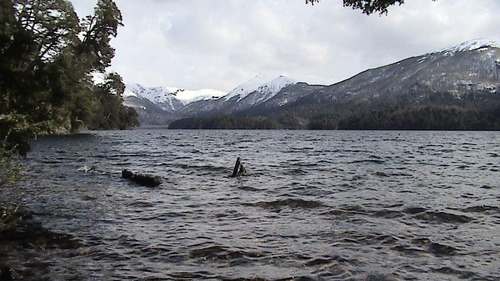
238	170
145	180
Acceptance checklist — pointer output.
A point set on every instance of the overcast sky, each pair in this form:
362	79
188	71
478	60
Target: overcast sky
219	44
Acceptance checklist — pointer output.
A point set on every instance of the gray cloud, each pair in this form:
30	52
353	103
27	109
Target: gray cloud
220	44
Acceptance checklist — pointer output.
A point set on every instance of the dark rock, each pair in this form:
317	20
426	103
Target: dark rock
127	174
144	180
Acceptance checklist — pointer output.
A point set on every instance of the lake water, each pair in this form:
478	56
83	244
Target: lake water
314	205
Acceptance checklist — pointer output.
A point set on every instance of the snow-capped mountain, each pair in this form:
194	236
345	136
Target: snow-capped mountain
161	96
188	96
177	103
470	46
451	74
169	98
262	85
468	74
253	93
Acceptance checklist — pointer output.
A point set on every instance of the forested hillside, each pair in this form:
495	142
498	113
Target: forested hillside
48	57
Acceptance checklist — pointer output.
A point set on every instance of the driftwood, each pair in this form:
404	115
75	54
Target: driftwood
145	180
238	170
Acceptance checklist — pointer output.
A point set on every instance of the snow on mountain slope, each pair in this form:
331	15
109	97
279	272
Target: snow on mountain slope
169	98
187	96
248	87
257	90
458	71
269	90
161	96
471	46
264	85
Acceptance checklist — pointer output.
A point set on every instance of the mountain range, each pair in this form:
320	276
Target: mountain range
463	80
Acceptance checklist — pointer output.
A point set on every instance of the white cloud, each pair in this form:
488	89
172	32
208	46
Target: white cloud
219	44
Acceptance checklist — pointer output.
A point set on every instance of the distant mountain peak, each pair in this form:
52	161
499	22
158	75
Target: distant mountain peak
467	74
169	97
260	83
189	96
471	45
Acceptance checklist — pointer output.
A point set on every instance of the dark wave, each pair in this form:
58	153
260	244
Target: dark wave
414	210
340	214
441	250
290	203
461	274
483	209
374	161
217	253
440	217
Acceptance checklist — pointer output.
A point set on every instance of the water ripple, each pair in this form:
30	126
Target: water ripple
314	206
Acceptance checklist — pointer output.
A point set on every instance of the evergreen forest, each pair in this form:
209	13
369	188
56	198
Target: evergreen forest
49	57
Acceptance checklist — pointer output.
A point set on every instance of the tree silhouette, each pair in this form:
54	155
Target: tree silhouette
48	57
367	6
